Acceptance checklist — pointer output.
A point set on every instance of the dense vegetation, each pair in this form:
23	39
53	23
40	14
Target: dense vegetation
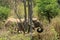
47	9
47	12
4	11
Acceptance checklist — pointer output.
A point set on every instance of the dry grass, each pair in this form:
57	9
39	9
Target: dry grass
56	24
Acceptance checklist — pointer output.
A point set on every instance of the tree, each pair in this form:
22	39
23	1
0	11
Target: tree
25	15
30	17
47	9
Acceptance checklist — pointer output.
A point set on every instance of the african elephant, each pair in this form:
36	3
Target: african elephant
20	24
17	22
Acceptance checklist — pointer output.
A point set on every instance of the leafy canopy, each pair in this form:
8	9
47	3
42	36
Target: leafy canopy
47	8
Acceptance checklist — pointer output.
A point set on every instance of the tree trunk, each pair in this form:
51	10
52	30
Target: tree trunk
30	16
25	23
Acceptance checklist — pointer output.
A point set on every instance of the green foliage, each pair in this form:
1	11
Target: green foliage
20	37
8	36
1	25
4	12
47	8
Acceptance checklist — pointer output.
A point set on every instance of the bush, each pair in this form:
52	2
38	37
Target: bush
47	9
4	11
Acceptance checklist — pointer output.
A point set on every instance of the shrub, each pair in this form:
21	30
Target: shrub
4	11
47	9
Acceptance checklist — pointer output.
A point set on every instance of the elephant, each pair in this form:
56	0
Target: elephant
20	24
17	22
37	24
